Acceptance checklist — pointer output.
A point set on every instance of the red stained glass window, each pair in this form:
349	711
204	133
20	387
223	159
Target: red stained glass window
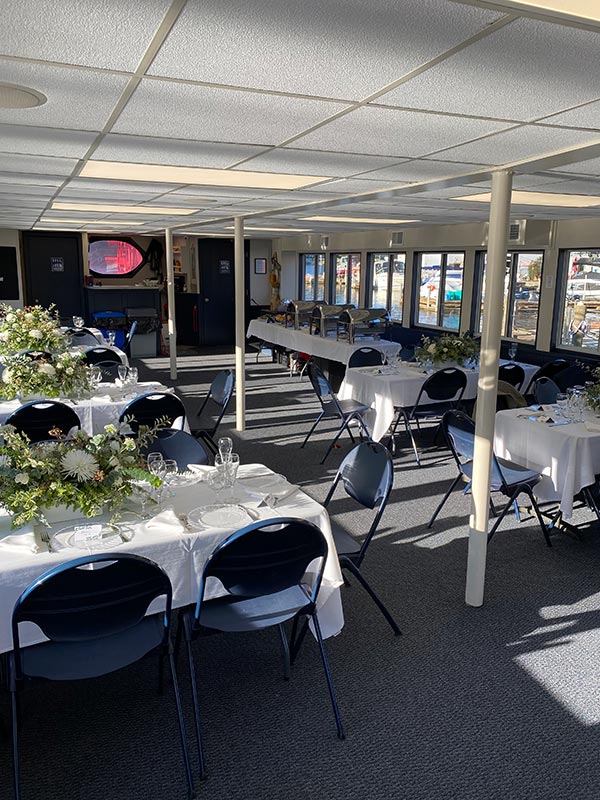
114	257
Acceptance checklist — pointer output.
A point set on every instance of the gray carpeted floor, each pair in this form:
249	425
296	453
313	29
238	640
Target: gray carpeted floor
502	701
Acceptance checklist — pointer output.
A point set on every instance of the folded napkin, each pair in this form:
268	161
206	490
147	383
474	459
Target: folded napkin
202	469
166	521
20	543
592	426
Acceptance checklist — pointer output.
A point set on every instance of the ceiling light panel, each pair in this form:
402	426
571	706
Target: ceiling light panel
517	144
74	221
105	34
36	165
44	141
77	99
389	132
338	165
311	47
117	209
197	175
581	10
354	220
510	74
541	199
175	152
218	115
273	228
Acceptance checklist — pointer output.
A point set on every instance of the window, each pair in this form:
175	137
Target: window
118	258
386	282
522	284
312	276
580	295
435	307
346	278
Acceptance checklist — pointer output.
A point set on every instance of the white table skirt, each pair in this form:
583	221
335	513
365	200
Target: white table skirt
101	410
181	555
568	456
396	388
323	347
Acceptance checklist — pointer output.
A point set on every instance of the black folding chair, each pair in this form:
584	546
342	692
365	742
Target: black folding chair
96	354
507	477
213	408
574	375
367	475
37	418
441	392
82	336
513	374
148	408
129	338
95	622
550	369
110	369
366	357
545	391
331	408
263	569
180	446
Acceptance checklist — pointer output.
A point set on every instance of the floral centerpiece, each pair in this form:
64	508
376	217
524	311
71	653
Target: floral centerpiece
449	348
90	474
66	375
30	328
592	391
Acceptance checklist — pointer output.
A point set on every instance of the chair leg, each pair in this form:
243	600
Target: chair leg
345	563
409	430
311	431
197	728
285	649
297	639
446	496
178	636
14	711
502	515
529	492
186	757
336	711
517	512
343	427
161	673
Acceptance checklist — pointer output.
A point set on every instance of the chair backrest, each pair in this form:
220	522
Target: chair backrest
130	335
267	557
38	418
551	368
366	357
320	383
38	355
148	408
571	376
96	354
545	391
459	430
72	603
508	397
367	475
181	446
110	369
82	336
216	401
445	384
512	373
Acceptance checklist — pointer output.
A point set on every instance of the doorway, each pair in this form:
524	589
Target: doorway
54	271
216	313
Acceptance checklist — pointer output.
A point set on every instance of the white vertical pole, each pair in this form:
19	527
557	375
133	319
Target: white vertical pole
171	302
488	385
240	327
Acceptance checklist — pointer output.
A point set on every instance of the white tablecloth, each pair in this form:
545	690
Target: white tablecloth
568	456
101	410
324	347
182	555
396	387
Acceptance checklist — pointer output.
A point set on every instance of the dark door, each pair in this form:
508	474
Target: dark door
54	271
217	290
186	316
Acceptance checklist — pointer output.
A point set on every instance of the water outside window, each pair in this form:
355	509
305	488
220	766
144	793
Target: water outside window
435	308
387	282
581	301
313	276
346	268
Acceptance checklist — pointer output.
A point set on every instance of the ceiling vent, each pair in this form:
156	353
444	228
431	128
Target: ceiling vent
516	232
12	96
396	238
324	242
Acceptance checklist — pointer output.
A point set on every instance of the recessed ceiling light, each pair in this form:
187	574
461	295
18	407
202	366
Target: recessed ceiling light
52	220
538	199
277	230
13	96
163	212
156	173
369	220
579	9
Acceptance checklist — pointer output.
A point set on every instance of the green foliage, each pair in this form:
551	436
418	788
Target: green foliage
449	347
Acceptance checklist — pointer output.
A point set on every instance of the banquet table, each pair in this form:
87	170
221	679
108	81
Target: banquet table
102	409
386	388
568	456
322	346
169	542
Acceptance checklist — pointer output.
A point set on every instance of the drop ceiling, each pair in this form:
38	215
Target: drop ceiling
360	96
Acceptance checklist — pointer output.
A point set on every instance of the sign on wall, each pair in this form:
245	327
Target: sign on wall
57	264
9	277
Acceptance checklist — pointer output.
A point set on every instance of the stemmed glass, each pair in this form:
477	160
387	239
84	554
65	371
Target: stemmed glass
229	467
562	403
78	322
171	469
157	467
111	337
122	371
512	351
225	445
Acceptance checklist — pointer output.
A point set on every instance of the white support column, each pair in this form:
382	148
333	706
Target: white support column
488	385
240	326
171	302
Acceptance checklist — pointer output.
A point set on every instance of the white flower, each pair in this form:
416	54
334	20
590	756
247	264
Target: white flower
431	348
35	334
29	315
6	375
10	317
69	370
47	369
22	477
4	336
80	465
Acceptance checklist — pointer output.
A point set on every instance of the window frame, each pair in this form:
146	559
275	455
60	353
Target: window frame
417	289
126	240
302	276
369	281
332	275
560	299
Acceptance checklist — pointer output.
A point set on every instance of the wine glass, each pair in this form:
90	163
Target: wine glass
230	467
111	337
562	403
122	371
170	469
225	444
512	351
78	322
132	375
156	466
95	376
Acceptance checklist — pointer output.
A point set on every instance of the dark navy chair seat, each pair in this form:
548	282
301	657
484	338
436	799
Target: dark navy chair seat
180	446
82	336
512	474
344	542
238	614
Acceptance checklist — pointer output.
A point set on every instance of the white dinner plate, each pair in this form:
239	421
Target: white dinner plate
219	515
187	478
102	537
263	483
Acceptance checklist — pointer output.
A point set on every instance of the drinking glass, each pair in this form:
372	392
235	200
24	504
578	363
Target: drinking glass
132	375
156	466
78	322
122	371
95	376
225	444
216	479
562	404
512	351
230	467
111	337
171	469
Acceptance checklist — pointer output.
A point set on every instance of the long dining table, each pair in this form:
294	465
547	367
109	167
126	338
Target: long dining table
168	539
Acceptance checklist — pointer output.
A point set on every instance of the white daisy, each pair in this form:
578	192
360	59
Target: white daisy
47	369
80	465
22	477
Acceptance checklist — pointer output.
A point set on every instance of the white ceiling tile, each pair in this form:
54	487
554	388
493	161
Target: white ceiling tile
353	186
312	47
26	190
174	152
133	187
589	167
182	111
97	196
517	144
101	33
523	182
421	170
38	165
30	180
314	162
77	99
575	187
584	117
44	141
523	71
384	131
